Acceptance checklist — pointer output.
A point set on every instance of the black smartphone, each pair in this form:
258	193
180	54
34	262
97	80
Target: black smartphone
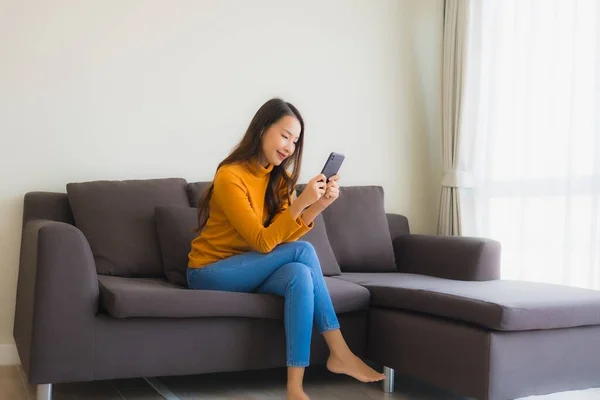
333	164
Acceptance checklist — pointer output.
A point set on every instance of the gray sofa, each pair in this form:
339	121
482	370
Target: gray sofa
101	295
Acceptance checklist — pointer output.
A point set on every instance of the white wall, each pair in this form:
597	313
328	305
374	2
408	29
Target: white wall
147	88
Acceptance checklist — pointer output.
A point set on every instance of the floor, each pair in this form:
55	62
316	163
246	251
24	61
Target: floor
252	385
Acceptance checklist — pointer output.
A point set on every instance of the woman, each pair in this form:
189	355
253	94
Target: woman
249	238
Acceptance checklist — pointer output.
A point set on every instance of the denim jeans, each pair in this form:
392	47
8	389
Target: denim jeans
291	270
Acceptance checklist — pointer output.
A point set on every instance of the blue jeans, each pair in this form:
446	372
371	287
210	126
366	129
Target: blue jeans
291	270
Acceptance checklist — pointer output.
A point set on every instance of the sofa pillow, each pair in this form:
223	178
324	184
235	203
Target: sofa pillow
358	230
195	190
117	218
176	230
317	236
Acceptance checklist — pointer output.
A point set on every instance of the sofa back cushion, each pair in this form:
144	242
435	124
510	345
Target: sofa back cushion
195	190
117	218
317	236
358	230
176	229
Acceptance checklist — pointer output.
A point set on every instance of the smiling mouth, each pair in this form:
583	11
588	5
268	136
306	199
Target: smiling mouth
281	155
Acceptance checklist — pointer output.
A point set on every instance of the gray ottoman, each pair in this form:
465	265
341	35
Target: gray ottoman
495	340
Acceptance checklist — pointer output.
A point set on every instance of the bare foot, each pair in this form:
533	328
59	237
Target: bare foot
353	366
297	394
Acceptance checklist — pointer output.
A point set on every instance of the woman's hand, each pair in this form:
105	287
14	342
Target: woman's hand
315	189
332	192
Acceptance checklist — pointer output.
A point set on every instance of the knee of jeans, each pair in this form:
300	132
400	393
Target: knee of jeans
306	247
299	245
303	245
302	276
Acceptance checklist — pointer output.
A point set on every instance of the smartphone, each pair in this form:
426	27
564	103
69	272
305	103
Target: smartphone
333	164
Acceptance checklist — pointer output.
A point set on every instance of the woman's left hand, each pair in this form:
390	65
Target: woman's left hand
332	192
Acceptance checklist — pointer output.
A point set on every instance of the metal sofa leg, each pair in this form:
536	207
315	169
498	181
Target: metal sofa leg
387	385
44	392
161	389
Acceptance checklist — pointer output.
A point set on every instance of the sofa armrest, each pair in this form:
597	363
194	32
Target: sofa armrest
451	257
56	305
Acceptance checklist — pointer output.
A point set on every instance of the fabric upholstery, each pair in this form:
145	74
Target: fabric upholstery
47	205
398	225
195	191
138	347
317	236
500	304
445	353
358	230
492	340
56	305
176	230
482	364
148	297
117	218
450	257
533	363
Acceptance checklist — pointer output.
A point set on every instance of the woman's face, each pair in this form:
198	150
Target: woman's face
279	140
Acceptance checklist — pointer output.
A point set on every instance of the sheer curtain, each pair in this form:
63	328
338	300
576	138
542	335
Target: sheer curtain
534	108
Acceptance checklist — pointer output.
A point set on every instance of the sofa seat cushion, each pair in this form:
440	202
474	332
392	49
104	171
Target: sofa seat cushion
503	305
156	297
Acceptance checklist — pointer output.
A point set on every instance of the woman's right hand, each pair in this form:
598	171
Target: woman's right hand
314	190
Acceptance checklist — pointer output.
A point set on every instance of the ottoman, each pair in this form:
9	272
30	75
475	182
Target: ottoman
491	340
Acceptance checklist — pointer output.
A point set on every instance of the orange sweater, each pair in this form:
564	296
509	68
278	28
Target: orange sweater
237	215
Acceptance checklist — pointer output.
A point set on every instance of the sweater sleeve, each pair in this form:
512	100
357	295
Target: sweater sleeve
300	231
230	193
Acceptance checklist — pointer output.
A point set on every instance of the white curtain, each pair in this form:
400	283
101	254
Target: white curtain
534	107
456	21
